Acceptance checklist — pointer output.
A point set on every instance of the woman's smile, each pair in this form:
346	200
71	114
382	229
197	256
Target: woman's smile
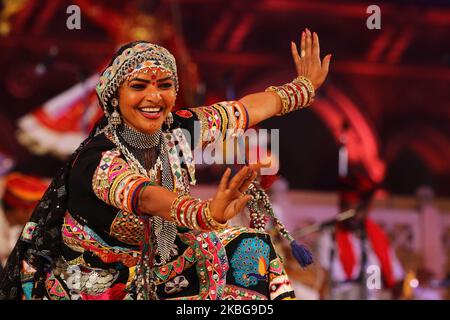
151	112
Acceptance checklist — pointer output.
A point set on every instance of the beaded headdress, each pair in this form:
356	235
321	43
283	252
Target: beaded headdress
135	59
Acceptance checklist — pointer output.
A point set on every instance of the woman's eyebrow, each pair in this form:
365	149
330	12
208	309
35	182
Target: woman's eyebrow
139	79
164	79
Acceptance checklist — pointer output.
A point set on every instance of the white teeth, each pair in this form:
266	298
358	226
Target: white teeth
151	109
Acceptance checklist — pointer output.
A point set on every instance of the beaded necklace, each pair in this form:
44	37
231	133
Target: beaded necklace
143	142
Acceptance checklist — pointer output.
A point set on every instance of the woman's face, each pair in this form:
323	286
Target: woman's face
145	99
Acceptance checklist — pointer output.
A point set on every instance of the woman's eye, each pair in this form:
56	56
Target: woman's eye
137	86
165	85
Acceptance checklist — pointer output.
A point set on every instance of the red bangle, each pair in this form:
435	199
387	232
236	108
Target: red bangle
301	93
295	95
187	219
200	220
180	205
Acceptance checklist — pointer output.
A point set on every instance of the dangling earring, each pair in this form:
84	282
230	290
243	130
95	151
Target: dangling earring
115	116
169	120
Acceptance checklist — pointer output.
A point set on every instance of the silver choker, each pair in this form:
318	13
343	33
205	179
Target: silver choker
139	139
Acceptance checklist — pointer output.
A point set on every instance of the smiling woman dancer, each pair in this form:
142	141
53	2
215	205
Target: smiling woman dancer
118	222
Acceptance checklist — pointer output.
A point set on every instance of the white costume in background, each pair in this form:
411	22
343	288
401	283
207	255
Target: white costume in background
342	290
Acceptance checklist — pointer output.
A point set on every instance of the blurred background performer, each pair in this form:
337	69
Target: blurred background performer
21	193
350	247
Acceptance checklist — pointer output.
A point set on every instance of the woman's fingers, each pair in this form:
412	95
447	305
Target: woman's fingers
303	45
248	181
224	180
242	202
237	180
308	43
295	56
316	46
326	65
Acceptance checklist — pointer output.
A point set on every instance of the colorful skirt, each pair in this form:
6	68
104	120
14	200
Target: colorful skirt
237	263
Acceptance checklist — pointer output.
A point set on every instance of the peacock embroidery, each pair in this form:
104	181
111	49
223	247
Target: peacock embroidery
250	261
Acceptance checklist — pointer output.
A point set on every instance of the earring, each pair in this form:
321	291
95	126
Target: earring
115	116
169	120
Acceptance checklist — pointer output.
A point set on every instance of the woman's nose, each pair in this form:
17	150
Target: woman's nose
153	95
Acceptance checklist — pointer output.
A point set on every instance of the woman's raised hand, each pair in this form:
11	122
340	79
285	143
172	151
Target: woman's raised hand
229	199
308	62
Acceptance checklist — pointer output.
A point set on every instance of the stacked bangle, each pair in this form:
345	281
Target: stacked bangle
300	80
294	95
211	222
194	214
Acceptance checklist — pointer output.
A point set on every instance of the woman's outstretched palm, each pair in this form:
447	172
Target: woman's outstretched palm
308	62
229	199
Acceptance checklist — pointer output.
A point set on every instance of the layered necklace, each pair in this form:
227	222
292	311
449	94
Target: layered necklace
144	151
140	150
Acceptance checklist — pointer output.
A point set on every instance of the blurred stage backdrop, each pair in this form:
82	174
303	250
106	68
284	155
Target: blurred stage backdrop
385	103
